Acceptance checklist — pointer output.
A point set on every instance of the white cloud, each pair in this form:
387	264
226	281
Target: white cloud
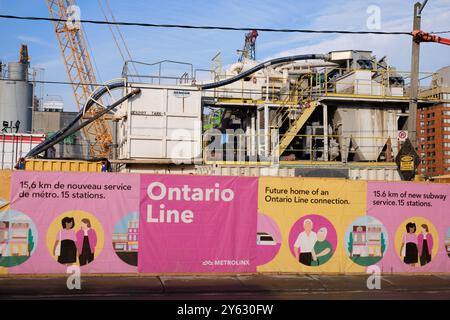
395	16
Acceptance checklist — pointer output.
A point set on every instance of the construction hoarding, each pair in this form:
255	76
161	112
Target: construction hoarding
161	224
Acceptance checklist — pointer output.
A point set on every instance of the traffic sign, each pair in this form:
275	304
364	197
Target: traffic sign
402	135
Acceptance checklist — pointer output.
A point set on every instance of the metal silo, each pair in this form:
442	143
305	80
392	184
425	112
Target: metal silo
16	99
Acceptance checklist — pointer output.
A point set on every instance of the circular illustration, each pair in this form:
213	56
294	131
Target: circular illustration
18	238
416	241
125	239
366	241
75	238
268	239
447	242
313	240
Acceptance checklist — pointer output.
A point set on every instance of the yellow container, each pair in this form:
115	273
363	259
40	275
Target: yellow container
62	165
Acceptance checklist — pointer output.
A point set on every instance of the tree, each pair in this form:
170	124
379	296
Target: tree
30	242
383	244
350	244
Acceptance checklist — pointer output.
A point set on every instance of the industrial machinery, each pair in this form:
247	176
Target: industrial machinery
421	36
81	74
343	108
249	51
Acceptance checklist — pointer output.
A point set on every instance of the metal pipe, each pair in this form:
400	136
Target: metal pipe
325	132
262	66
95	96
266	130
73	130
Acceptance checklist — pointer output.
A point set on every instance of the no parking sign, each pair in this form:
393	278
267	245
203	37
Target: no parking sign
402	135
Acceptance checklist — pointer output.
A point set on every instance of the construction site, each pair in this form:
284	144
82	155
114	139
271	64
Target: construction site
169	169
324	114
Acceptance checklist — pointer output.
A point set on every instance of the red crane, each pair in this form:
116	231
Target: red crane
421	36
249	50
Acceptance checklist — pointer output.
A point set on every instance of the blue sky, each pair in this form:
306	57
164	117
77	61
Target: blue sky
199	46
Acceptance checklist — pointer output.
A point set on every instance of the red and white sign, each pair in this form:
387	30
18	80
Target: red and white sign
402	135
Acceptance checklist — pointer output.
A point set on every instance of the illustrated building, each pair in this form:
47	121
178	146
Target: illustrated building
127	242
4	236
119	241
374	241
133	235
14	239
19	239
359	240
367	241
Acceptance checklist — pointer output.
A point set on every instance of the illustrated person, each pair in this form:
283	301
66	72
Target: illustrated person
305	242
86	242
409	250
65	248
425	245
21	164
323	250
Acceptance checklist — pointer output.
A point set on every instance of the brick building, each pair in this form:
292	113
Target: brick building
433	128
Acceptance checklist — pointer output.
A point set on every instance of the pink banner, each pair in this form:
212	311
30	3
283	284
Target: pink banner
197	224
83	219
416	216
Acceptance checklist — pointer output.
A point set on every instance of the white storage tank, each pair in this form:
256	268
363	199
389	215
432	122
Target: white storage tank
16	100
163	122
368	128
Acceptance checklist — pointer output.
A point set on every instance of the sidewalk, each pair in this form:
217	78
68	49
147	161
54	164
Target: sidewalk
185	287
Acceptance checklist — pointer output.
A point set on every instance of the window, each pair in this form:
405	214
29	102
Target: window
446	128
446	112
446	120
447	136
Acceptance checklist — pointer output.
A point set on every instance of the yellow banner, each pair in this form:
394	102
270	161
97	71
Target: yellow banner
310	216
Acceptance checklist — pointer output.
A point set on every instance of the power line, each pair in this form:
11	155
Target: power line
440	32
179	26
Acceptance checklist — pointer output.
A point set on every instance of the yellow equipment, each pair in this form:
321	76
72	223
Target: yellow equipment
81	74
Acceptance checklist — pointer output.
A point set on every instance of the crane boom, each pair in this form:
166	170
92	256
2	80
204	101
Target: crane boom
81	75
420	36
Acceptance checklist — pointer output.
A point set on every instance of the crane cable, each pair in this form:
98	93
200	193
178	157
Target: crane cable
125	52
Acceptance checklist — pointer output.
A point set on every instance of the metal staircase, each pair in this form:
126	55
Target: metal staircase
295	110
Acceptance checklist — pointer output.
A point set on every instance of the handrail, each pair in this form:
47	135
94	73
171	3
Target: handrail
158	63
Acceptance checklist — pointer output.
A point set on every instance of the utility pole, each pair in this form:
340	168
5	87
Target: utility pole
414	89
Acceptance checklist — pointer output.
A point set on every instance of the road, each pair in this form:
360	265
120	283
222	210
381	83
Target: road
253	287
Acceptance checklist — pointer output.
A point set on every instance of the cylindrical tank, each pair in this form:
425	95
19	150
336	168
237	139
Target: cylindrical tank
16	100
17	71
